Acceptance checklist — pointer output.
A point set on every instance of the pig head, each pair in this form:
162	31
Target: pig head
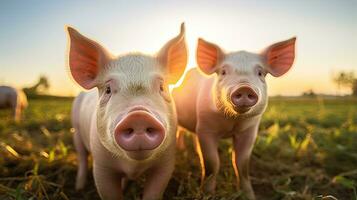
240	86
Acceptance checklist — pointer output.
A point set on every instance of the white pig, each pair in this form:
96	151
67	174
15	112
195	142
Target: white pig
128	123
229	103
14	99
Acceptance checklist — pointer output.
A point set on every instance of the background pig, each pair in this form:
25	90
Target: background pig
14	99
229	103
128	123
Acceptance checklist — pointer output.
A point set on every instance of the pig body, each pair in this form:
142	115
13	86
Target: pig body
128	122
228	104
14	99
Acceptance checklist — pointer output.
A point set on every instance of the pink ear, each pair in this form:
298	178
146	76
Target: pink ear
280	57
208	56
174	56
86	57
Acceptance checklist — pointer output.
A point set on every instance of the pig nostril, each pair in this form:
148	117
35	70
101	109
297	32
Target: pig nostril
151	132
128	133
238	96
250	96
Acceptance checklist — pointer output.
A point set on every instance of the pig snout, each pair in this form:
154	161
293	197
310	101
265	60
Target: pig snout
139	130
243	98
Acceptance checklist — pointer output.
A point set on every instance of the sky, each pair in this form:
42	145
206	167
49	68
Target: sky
33	39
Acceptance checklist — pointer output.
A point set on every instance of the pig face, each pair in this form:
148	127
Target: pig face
135	113
240	89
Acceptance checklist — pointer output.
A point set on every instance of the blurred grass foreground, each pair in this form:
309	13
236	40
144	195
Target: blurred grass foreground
306	149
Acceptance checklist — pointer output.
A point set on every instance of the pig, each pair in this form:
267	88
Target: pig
127	120
14	99
228	100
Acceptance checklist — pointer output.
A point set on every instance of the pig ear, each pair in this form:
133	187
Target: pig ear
280	57
208	56
174	56
86	57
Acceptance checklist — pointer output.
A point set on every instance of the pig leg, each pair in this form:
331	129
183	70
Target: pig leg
17	115
158	179
82	156
108	183
124	183
180	139
16	109
208	144
243	146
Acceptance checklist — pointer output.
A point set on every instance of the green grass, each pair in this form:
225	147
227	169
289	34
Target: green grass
306	149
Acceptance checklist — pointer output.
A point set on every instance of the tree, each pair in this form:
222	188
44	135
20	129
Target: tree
309	93
347	80
40	87
354	88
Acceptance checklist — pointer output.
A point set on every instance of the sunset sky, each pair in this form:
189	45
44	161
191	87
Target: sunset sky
33	40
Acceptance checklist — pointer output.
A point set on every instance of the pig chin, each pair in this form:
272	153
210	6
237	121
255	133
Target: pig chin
246	112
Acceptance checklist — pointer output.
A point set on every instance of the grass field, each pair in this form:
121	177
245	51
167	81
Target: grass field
306	149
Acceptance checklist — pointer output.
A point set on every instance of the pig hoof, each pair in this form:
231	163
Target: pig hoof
250	196
79	186
248	192
126	183
81	179
209	187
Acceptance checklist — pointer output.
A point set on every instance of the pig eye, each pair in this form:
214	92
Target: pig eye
164	92
108	90
107	93
223	72
260	73
162	87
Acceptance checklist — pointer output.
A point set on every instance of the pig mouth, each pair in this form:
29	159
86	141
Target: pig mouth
242	109
140	154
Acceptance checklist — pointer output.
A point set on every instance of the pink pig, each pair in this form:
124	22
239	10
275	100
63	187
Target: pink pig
128	122
229	103
14	99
